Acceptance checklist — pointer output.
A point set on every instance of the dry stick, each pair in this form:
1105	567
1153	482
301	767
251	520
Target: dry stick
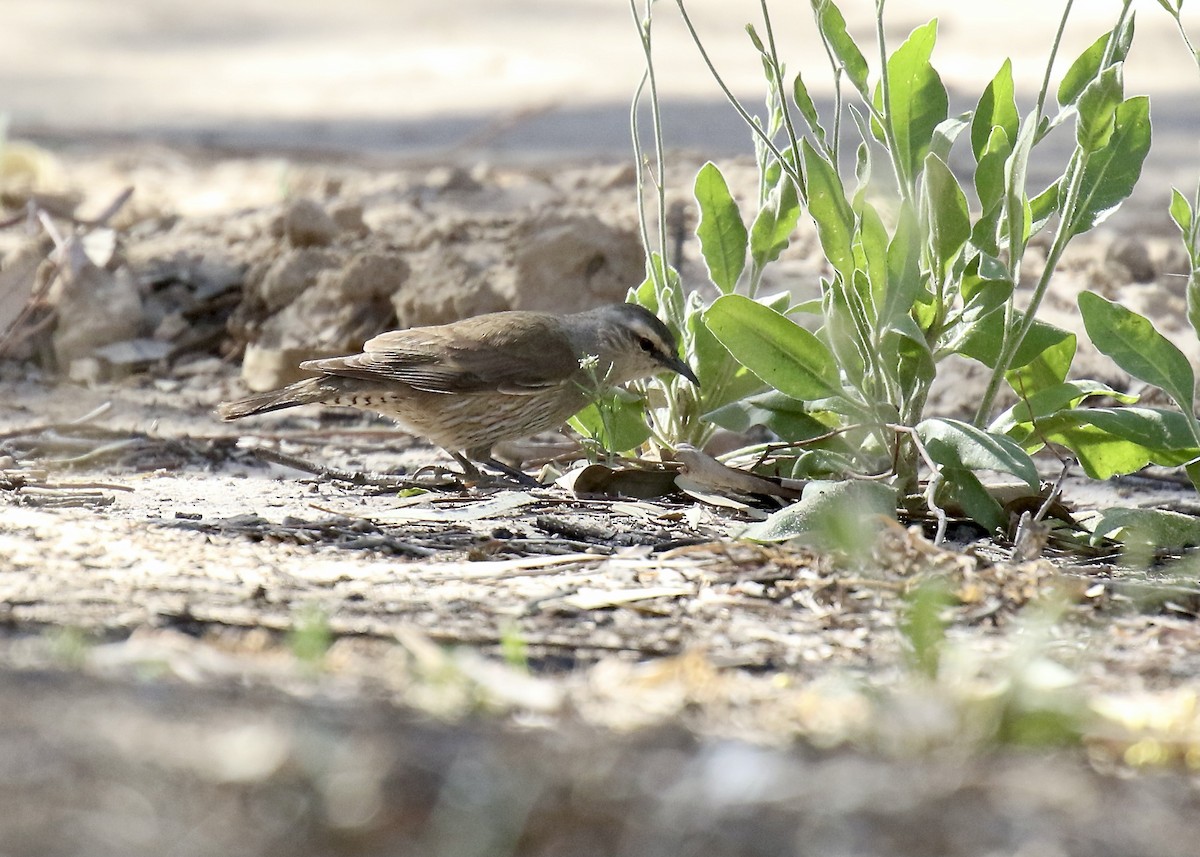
1055	489
94	453
35	298
1025	541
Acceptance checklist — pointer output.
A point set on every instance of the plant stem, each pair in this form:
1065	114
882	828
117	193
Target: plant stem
652	271
1062	236
834	146
670	301
791	170
1062	26
793	142
1186	41
884	116
644	23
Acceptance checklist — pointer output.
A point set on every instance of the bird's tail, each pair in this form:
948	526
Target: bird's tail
304	392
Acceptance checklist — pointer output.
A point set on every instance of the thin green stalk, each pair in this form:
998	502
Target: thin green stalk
1063	234
791	170
1111	46
661	428
1062	237
777	69
833	148
1044	91
644	24
1186	41
903	180
640	181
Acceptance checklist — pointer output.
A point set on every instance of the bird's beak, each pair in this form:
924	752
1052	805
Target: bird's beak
675	364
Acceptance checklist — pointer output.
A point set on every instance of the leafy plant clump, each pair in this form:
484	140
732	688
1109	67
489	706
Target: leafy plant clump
922	266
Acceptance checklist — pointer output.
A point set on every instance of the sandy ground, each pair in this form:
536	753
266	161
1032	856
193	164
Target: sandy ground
206	652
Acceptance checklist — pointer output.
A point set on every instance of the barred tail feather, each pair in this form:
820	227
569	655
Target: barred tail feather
304	392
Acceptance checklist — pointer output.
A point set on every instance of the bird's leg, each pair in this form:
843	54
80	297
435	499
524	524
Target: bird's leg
521	477
472	474
470	471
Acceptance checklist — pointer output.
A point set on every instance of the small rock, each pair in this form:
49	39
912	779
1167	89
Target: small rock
621	176
306	224
134	352
193	365
1134	256
1176	260
373	274
96	307
566	263
270	368
292	273
349	218
86	370
455	178
172	327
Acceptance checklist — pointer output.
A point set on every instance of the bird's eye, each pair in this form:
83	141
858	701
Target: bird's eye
646	345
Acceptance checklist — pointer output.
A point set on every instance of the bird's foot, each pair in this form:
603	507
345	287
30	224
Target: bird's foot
473	475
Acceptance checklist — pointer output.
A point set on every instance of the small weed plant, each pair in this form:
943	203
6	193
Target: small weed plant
922	265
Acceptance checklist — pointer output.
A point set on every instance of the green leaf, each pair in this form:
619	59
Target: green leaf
918	97
997	108
1016	203
788	418
754	39
807	109
1098	109
904	342
832	516
1155	528
1110	173
721	231
964	488
1047	369
775	223
1050	400
833	29
1083	71
1131	341
722	379
989	174
903	268
1192	469
1181	213
1042	207
946	133
614	422
958	444
984	277
775	348
647	295
872	241
984	343
1114	441
949	221
828	207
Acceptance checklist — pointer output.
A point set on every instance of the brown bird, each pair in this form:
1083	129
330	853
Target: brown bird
470	384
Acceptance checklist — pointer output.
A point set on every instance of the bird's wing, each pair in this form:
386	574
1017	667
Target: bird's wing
519	355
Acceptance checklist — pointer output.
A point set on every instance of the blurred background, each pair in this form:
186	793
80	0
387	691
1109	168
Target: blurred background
516	79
